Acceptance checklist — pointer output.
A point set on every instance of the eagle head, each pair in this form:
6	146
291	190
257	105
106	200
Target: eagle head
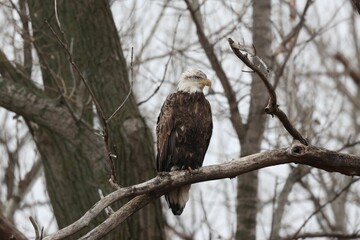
193	80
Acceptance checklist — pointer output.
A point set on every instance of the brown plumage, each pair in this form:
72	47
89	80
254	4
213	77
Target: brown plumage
183	131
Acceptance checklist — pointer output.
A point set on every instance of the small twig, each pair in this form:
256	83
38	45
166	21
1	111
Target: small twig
61	91
113	179
348	145
166	65
57	16
130	90
93	97
108	210
273	208
272	107
282	199
70	58
38	234
292	39
158	87
243	57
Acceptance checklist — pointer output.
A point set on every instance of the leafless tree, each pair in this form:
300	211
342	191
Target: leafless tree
67	76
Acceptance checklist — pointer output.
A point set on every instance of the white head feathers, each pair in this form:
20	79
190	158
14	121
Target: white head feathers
192	81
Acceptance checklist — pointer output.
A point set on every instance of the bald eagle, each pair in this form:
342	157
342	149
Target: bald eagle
183	130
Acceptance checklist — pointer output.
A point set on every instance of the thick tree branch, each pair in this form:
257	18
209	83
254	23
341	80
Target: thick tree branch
272	107
9	231
10	72
298	153
51	114
42	111
120	216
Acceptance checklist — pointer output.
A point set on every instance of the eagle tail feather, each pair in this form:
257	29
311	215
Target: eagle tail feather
177	199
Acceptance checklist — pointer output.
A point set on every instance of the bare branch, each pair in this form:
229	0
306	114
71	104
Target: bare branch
38	233
70	57
57	16
326	235
272	107
353	73
292	39
349	145
119	216
152	31
9	72
49	114
296	174
99	109
23	187
166	65
130	89
309	155
158	87
322	206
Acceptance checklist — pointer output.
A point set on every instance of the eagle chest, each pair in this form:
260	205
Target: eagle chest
190	122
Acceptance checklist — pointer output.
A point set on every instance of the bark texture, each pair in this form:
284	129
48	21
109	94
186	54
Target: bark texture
74	157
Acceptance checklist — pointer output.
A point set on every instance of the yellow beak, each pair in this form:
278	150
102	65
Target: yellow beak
206	82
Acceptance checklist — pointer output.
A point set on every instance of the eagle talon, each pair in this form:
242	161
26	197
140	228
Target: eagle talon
193	171
190	170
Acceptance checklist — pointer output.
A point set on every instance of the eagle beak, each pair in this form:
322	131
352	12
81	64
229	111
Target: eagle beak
206	82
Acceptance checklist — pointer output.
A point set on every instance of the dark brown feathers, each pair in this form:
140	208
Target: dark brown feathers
183	131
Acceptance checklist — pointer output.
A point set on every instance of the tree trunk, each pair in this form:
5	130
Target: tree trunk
247	196
74	173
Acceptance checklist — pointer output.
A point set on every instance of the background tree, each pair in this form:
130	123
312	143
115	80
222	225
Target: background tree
74	158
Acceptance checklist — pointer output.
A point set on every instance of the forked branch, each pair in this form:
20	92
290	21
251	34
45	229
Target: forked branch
264	73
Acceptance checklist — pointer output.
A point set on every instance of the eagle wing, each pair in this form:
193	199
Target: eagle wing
165	132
